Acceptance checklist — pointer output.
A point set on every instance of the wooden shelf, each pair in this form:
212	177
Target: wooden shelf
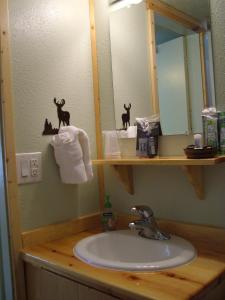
192	167
162	161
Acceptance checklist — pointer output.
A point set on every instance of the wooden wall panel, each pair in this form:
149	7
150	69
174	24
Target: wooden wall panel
12	197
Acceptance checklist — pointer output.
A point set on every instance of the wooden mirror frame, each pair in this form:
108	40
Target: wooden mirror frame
97	104
123	167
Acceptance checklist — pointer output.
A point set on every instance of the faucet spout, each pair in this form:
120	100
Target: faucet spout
147	225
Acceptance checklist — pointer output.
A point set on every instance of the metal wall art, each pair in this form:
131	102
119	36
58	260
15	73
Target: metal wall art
63	117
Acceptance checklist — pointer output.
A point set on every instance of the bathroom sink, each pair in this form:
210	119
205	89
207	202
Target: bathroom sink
126	250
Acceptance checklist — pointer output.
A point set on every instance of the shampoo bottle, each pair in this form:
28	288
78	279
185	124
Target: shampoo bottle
108	218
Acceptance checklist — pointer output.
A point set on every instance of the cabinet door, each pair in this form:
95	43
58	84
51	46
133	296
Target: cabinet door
86	293
33	276
54	287
45	285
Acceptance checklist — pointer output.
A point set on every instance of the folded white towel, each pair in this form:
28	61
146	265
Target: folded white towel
72	154
130	133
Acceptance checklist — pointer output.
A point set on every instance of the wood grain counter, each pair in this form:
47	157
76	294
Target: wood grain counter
193	281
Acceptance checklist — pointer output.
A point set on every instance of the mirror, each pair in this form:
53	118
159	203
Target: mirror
180	78
130	63
123	44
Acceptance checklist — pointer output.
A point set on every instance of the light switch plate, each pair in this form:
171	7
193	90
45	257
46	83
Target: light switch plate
29	167
24	165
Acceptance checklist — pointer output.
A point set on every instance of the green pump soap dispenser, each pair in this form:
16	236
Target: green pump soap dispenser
108	218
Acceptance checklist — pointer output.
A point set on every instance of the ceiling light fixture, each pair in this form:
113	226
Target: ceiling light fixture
116	5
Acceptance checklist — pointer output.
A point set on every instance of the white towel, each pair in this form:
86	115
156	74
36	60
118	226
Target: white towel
130	133
72	154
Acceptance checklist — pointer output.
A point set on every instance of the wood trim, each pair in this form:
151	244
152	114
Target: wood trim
203	67
95	81
12	196
61	230
97	108
92	223
175	14
162	161
153	62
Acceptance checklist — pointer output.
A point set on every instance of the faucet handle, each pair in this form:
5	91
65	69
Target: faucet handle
143	210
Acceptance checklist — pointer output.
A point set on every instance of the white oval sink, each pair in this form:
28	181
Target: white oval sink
126	250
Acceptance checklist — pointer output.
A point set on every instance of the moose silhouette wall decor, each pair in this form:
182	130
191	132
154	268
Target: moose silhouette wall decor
63	116
126	116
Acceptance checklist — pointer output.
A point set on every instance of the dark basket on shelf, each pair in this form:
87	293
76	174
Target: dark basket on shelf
196	153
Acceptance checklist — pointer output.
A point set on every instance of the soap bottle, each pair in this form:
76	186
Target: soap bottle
108	217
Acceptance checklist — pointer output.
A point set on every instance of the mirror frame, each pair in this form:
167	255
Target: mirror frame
152	6
97	104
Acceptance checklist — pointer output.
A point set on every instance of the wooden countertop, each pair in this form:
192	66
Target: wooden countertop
194	280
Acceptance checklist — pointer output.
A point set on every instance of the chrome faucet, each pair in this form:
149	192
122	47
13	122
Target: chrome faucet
147	225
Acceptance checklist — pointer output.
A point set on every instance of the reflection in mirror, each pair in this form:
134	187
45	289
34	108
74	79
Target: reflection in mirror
123	42
179	77
130	63
180	71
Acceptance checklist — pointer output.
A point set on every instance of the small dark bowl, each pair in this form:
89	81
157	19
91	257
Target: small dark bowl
196	153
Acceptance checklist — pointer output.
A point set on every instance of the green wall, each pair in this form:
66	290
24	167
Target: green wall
51	57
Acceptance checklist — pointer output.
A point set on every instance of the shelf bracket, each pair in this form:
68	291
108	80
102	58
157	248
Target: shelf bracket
125	174
195	177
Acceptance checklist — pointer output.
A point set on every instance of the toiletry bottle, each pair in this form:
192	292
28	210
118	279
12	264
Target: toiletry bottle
108	218
222	132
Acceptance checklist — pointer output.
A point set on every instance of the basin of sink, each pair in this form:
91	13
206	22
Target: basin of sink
126	250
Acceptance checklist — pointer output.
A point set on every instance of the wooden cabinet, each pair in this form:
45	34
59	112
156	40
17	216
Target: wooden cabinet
42	284
85	293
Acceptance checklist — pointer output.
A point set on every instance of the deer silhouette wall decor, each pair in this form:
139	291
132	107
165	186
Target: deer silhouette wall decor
63	116
126	116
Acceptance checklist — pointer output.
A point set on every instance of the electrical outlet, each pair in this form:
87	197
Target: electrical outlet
34	163
29	168
34	172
